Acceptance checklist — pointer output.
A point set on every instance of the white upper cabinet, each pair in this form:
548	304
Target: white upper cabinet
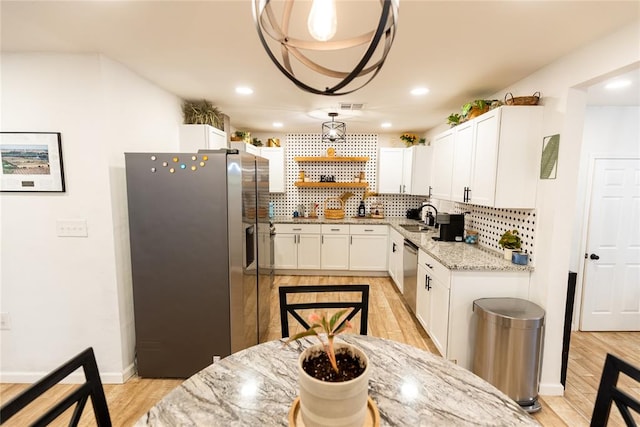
404	170
442	172
275	155
462	161
197	137
390	170
492	160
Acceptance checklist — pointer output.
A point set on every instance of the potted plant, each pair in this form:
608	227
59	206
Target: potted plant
202	113
241	135
333	377
510	241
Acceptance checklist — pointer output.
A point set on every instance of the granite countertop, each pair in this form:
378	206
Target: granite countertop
410	387
453	255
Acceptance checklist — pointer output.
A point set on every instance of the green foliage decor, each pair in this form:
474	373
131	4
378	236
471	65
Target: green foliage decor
510	240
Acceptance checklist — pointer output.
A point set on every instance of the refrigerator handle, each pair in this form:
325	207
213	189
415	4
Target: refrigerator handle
249	238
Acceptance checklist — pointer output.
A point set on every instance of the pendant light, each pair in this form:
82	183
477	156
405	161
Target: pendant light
287	51
334	131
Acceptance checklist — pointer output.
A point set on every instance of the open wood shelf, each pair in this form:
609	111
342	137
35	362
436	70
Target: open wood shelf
332	184
331	159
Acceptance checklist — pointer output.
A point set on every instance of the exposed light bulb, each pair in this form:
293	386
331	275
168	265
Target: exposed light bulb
322	22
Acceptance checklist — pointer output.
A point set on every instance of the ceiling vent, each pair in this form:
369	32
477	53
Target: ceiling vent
345	106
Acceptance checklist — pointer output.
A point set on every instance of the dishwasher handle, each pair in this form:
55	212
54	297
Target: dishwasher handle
410	246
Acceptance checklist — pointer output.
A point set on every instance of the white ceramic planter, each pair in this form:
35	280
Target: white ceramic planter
508	253
341	404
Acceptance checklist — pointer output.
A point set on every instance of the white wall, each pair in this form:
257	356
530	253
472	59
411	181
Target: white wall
65	294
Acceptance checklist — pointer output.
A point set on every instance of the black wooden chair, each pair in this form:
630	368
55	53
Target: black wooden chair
92	387
609	392
360	306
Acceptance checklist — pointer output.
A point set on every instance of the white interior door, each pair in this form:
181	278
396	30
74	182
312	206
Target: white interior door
611	297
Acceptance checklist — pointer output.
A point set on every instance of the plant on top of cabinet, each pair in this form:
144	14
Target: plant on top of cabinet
241	135
410	139
472	109
202	113
256	142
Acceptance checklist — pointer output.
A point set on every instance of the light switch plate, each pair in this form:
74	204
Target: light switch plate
5	321
71	228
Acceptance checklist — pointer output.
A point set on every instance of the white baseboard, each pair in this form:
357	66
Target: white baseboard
75	378
551	389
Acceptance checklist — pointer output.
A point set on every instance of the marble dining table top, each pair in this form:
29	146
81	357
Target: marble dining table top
411	387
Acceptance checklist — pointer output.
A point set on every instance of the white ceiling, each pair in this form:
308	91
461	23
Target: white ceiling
204	49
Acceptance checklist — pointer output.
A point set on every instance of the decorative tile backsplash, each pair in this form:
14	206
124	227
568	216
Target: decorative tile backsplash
489	222
357	145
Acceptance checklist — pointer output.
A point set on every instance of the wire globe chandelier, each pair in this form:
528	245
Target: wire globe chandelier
282	46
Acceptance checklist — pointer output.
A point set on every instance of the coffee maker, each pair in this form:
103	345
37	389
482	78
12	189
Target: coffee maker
451	227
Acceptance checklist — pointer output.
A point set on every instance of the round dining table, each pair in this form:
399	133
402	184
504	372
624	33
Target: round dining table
410	387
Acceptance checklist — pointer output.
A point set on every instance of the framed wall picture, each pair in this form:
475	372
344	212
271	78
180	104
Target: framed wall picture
31	161
549	160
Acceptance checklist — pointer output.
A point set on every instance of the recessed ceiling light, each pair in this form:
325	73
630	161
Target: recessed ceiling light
277	124
386	125
419	91
244	90
617	84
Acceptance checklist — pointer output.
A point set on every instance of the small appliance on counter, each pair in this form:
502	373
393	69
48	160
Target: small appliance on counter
451	227
414	213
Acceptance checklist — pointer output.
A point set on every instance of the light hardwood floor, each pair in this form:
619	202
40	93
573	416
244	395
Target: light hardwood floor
389	318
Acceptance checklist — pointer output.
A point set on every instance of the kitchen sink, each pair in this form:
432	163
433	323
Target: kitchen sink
415	228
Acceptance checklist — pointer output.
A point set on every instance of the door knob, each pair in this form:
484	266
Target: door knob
594	256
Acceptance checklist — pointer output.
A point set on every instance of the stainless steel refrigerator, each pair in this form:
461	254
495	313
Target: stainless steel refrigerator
201	257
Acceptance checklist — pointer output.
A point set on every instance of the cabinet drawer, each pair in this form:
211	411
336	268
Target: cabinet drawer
335	229
439	271
297	228
368	229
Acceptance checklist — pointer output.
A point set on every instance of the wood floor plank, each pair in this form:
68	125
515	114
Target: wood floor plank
389	317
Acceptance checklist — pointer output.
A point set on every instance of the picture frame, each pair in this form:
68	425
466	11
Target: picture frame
31	162
549	158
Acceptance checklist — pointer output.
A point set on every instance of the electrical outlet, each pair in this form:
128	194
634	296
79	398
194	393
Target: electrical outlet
71	228
5	321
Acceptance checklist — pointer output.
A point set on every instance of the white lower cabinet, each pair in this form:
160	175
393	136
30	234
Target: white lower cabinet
368	247
395	257
297	246
334	254
445	303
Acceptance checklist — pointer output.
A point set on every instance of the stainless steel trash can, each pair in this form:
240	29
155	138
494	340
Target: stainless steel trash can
508	347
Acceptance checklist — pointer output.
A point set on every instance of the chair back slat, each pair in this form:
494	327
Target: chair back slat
360	306
91	388
609	392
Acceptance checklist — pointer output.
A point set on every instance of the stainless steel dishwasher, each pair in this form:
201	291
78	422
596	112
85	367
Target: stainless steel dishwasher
410	273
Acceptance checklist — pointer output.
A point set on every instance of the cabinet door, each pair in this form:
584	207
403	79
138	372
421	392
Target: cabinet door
438	314
485	163
216	138
335	252
286	251
422	298
462	152
390	170
421	166
275	155
395	259
442	165
368	252
308	251
407	169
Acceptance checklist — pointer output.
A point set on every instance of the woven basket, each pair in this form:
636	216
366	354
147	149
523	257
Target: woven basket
521	100
332	213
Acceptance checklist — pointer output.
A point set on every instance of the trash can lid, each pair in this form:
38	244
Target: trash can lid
510	312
